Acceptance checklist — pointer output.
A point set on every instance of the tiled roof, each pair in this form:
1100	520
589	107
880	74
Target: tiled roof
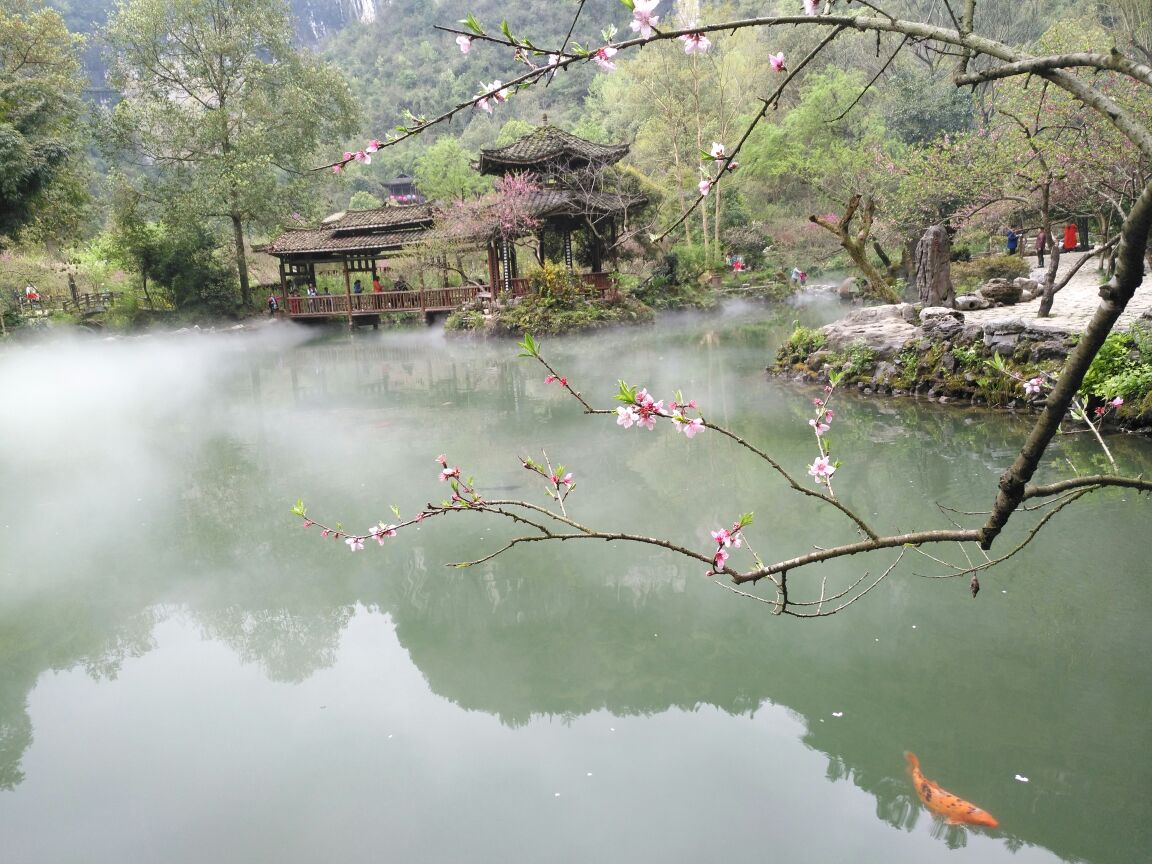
298	240
383	217
358	230
571	202
549	146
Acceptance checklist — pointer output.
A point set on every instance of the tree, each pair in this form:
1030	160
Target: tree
227	116
444	173
41	166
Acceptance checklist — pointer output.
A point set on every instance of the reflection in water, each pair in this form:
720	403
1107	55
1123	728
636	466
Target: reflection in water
178	506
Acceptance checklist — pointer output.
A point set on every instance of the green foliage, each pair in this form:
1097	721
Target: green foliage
803	343
42	174
1120	368
364	201
543	315
444	172
858	358
968	356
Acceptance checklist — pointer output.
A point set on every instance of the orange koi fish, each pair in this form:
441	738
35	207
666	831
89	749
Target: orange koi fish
943	803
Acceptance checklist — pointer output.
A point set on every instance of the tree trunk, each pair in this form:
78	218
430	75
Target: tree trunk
241	262
1049	293
934	268
856	244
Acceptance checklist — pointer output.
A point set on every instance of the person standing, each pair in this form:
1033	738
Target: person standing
1070	241
1041	245
1013	242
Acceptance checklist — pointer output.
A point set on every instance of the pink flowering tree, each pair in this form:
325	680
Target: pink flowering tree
979	60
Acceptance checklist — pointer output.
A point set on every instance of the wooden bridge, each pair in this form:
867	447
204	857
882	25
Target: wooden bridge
420	300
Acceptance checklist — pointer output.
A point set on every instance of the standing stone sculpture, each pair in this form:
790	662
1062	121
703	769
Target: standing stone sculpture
933	268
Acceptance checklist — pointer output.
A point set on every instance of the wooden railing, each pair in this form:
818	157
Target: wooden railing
426	300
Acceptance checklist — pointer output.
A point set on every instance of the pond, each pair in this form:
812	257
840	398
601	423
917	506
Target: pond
190	676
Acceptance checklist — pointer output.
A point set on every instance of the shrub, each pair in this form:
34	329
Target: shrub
1113	359
968	275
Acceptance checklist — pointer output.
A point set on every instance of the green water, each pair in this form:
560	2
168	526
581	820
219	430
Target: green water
188	676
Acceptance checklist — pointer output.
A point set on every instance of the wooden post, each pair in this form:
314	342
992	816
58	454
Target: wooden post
348	294
493	270
568	247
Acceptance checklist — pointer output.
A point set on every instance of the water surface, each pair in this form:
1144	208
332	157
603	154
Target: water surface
190	676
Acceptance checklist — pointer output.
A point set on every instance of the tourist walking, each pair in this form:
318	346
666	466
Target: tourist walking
1041	244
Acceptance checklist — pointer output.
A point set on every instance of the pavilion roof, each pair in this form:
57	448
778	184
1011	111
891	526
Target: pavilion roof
549	147
379	229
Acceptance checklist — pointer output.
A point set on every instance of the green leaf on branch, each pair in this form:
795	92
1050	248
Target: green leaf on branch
472	24
630	5
299	509
529	348
745	520
626	393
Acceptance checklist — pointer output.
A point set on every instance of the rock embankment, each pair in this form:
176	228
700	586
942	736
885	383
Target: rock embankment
979	355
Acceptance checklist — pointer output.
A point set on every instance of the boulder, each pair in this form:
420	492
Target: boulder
1001	291
969	302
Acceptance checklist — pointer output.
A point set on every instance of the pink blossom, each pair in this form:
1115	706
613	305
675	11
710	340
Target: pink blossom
379	532
442	460
723	537
566	479
419	517
822	469
449	473
355	543
776	61
465	43
820	428
373	145
642	18
817	402
1117	402
1100	411
811	7
720	558
690	427
549	379
553	60
828	415
325	532
704	187
362	156
626	416
308	523
336	169
1032	386
603	58
499	94
695	43
717	151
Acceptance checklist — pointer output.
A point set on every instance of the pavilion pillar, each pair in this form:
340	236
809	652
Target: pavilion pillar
507	262
348	293
493	269
568	248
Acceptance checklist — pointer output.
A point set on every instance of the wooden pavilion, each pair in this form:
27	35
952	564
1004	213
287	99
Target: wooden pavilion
569	200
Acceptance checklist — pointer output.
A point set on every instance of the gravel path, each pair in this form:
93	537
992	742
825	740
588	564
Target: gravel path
1073	306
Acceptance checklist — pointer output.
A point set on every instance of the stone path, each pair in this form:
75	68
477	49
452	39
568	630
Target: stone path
1073	306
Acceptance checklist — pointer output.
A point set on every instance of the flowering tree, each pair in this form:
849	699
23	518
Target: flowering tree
979	59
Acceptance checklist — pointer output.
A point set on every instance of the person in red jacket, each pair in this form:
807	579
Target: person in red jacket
1070	241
